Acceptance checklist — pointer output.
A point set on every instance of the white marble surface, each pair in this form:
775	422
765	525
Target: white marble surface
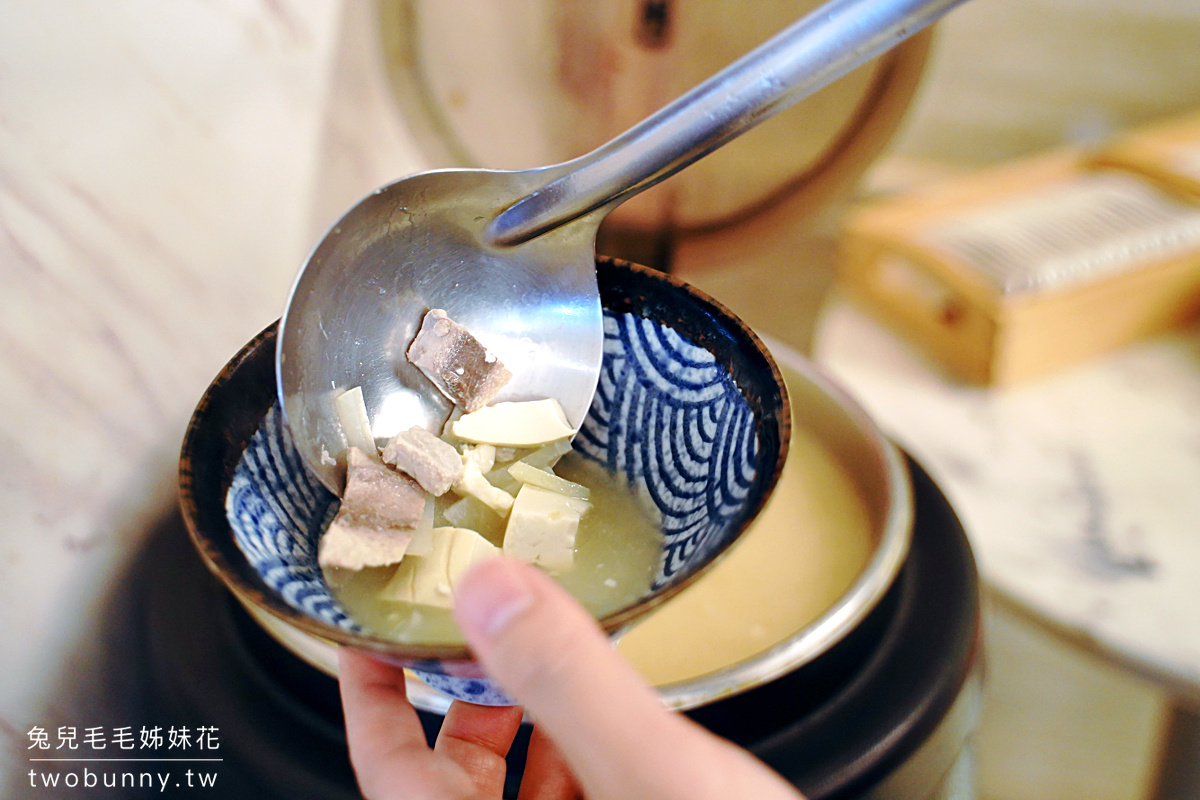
156	165
1080	492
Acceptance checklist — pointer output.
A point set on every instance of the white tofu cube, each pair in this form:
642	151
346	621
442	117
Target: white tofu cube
430	580
466	548
542	528
430	583
523	424
484	456
473	484
400	588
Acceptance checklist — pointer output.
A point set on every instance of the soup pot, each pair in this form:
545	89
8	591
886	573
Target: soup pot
876	697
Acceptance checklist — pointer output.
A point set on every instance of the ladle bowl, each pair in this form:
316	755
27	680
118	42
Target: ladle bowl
413	245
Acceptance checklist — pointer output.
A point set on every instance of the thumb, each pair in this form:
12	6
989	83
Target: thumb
609	725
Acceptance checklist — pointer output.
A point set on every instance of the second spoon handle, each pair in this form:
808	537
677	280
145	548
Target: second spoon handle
805	57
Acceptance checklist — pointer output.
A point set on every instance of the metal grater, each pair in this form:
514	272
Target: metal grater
1085	228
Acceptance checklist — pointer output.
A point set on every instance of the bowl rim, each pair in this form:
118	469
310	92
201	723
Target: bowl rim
249	588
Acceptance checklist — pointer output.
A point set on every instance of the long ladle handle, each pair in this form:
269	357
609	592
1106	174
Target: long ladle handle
812	53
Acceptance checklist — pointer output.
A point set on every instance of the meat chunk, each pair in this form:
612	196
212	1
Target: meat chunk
435	464
380	509
352	547
461	368
379	497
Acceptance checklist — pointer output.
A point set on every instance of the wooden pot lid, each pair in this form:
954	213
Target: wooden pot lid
507	85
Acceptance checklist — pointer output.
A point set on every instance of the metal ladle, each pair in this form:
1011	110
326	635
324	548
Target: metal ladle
510	255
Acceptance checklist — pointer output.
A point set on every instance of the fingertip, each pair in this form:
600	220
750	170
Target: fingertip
536	640
382	728
491	595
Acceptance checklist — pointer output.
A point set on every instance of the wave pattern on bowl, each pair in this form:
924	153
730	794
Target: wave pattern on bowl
669	418
277	511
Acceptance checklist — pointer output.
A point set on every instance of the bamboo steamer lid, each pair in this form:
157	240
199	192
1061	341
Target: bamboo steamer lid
510	85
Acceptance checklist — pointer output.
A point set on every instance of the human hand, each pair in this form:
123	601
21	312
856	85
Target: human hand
600	731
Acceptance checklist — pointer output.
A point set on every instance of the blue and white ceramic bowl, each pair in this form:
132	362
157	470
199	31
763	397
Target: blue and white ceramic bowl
690	410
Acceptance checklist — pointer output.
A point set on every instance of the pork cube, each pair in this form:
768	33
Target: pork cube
417	452
374	525
377	496
355	547
459	366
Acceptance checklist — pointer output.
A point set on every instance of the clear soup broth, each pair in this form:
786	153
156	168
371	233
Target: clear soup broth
800	556
617	554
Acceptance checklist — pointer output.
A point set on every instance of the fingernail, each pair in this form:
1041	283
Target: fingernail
491	595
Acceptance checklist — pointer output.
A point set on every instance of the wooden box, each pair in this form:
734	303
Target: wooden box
1012	272
1168	153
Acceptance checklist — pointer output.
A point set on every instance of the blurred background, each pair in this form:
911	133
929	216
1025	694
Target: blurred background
164	169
